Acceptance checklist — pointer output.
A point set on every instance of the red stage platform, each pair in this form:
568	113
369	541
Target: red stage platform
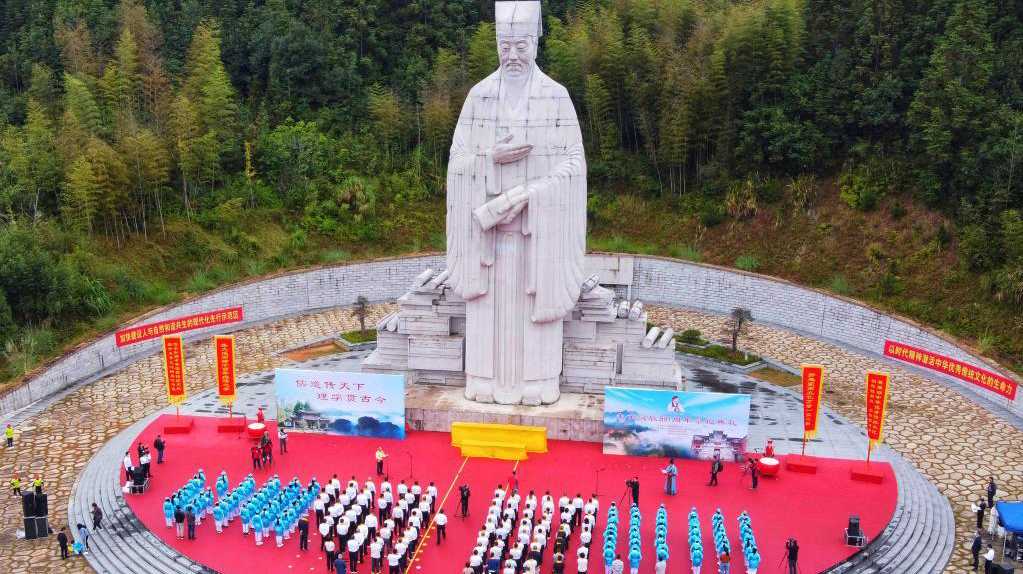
812	508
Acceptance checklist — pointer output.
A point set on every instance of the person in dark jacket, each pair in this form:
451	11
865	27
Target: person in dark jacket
190	522
62	541
159	445
179	522
97	517
303	533
975	550
992	489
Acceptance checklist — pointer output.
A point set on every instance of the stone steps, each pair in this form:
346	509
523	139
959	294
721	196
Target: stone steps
919	538
124	545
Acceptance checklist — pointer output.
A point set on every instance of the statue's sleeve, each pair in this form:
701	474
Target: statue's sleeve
557	221
467	178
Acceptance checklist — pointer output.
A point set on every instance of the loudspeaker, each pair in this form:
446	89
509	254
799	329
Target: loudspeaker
854	525
28	504
42	508
31	532
42	527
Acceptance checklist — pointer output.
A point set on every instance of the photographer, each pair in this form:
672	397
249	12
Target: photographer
792	555
633	485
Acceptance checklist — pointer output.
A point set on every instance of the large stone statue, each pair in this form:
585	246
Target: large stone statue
516	219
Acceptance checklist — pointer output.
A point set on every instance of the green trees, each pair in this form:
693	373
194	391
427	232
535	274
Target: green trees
955	109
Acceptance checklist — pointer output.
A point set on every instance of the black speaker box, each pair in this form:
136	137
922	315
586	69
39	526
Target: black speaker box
31	532
42	527
42	508
28	504
854	525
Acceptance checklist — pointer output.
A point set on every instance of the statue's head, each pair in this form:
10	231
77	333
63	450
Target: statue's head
518	27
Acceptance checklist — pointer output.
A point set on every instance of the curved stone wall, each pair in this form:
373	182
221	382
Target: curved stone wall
654	280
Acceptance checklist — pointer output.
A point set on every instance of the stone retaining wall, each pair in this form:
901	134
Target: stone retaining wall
655	280
796	308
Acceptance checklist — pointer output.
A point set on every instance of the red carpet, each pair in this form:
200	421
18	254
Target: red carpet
812	508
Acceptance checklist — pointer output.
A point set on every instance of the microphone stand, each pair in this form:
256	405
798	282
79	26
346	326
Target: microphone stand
409	455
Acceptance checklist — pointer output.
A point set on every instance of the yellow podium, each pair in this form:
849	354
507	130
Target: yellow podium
504	442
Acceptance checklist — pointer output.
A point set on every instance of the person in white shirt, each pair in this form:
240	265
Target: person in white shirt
398	514
353	554
431	489
382	507
371	488
376	550
441	520
401	548
577	508
415	519
402	488
371	524
416	490
661	566
618	566
393	560
585	537
583	564
324	534
331	551
476	560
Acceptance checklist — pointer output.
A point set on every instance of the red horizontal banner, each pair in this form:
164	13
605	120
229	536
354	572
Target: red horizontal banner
133	335
983	378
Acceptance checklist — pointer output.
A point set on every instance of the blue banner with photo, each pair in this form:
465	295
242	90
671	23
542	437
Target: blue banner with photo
333	402
655	422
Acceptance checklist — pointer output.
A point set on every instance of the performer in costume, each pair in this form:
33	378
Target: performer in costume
670	478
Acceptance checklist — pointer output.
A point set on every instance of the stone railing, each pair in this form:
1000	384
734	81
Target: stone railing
654	280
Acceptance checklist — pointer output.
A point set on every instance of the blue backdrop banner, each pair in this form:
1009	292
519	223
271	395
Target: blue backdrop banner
357	404
655	422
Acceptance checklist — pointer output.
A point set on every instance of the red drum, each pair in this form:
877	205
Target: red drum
768	466
256	430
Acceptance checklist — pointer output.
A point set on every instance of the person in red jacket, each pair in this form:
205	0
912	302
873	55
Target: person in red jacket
257	455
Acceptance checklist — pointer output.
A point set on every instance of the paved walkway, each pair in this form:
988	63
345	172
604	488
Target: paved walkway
954	442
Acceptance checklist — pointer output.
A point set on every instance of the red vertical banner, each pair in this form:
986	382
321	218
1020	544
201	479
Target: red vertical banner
813	391
877	404
226	387
174	368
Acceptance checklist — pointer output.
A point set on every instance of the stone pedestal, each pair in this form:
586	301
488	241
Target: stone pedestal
606	341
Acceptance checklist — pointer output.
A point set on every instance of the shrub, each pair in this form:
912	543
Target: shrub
862	185
687	252
712	214
839	285
802	192
747	262
976	249
741	200
692	337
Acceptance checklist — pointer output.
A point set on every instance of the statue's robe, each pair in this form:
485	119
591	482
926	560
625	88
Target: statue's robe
519	279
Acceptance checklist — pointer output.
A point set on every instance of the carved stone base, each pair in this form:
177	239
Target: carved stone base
606	343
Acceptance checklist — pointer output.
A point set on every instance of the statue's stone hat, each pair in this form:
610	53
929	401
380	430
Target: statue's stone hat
521	18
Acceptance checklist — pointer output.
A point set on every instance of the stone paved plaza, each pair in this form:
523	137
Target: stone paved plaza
951	440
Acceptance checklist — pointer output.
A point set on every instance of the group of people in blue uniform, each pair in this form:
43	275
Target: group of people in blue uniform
661	540
721	543
695	541
749	543
193	499
635	552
